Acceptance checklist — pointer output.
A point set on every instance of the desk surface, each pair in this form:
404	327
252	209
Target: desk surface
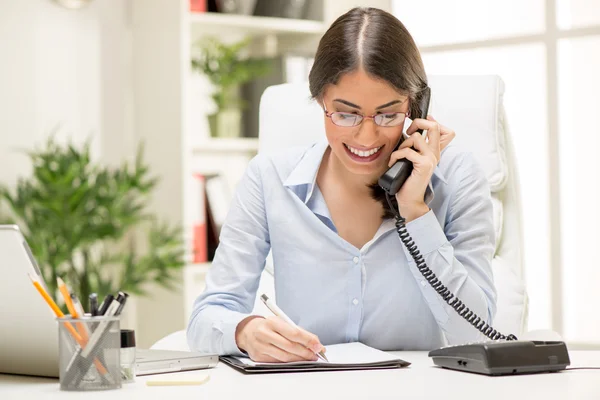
421	380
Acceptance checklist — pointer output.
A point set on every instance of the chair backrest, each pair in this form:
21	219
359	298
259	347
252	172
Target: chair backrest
472	106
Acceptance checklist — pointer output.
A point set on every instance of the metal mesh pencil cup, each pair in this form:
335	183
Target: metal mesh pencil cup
89	353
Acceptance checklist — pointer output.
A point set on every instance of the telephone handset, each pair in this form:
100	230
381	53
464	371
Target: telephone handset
398	173
516	356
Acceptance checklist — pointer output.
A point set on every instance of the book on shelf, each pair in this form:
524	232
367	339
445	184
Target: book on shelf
211	202
199	249
198	6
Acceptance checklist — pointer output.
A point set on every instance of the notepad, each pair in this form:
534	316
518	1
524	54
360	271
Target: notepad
346	356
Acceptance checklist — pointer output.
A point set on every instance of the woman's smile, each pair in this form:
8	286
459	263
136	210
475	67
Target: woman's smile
364	155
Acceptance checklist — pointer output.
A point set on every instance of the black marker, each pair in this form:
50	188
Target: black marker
105	304
121	298
94	304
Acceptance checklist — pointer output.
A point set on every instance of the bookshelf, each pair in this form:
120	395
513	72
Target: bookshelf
208	22
162	35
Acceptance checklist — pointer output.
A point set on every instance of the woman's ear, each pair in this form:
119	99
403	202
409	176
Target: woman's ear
320	102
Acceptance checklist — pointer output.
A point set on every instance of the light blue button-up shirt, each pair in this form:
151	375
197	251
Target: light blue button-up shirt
375	294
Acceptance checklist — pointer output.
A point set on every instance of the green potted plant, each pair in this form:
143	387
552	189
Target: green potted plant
227	70
84	223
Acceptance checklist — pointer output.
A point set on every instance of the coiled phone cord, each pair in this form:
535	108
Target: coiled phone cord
442	290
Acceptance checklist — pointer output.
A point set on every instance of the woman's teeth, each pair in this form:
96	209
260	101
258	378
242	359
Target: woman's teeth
361	153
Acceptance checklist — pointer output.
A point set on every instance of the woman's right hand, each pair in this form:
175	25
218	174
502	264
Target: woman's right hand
274	340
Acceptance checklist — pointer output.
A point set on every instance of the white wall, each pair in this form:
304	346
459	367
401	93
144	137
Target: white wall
69	71
62	69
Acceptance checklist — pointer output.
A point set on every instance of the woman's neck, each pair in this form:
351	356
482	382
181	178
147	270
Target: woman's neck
357	185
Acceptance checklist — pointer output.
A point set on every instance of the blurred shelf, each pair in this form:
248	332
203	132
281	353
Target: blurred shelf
227	145
217	24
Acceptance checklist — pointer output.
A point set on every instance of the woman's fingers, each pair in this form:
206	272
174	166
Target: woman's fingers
295	334
424	161
429	124
274	340
446	134
433	133
278	354
294	350
406	153
446	138
285	343
438	136
419	143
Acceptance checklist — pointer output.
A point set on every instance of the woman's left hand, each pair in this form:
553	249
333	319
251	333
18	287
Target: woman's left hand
425	157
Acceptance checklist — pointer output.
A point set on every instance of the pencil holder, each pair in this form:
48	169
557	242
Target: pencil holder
89	353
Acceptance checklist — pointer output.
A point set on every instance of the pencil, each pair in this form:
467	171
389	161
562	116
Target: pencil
62	287
69	326
66	296
47	297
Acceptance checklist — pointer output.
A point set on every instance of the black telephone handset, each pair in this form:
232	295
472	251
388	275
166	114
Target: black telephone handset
509	355
398	173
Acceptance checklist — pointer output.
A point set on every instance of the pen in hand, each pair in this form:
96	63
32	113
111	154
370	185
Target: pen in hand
279	312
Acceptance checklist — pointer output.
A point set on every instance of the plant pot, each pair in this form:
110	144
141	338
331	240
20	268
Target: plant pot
226	123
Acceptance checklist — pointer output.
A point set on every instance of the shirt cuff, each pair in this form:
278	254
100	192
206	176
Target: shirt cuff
228	328
427	234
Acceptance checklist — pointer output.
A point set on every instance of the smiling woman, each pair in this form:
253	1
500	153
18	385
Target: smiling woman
315	209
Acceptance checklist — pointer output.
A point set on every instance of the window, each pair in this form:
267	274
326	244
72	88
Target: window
546	51
579	143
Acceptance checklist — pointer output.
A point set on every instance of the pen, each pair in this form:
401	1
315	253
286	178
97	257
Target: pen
69	326
104	306
77	305
122	298
94	304
279	312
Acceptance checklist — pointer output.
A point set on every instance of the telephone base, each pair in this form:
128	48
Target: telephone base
504	357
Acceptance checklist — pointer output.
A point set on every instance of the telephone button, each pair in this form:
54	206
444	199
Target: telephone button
355	259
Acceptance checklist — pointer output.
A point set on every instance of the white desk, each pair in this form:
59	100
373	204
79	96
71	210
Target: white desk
419	381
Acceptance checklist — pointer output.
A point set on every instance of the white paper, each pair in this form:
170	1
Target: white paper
340	354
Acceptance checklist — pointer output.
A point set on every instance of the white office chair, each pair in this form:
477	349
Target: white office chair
472	106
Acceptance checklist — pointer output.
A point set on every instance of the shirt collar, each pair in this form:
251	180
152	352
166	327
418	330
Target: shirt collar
305	172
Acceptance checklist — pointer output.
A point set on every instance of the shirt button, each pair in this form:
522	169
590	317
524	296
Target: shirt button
355	259
355	301
423	283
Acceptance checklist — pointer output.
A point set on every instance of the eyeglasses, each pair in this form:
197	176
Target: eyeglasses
348	120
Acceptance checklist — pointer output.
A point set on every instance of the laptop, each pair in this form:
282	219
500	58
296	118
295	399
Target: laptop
29	338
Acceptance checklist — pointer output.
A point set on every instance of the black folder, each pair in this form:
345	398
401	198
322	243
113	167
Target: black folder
343	357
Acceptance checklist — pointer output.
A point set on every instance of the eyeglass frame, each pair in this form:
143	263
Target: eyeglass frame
329	115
